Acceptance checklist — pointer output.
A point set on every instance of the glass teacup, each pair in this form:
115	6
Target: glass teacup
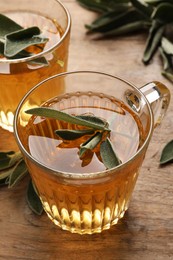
82	196
18	75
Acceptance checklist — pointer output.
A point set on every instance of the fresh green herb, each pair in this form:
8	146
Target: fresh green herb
73	134
51	113
14	40
167	153
121	17
97	130
12	170
108	155
33	199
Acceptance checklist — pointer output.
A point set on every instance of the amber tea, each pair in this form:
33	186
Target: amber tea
96	204
18	76
80	193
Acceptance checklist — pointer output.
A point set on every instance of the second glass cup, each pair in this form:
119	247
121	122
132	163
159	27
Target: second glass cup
17	76
82	195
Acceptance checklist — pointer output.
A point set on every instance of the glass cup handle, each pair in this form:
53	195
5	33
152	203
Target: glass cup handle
158	96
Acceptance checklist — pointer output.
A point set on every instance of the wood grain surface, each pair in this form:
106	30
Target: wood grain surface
146	231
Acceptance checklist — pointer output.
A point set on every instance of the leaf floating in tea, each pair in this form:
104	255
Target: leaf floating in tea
93	119
14	39
59	115
33	199
8	26
91	143
167	153
108	155
72	134
20	40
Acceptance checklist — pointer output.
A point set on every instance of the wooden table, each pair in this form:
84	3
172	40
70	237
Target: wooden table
146	231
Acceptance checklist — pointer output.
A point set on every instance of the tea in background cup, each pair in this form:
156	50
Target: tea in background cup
81	194
18	75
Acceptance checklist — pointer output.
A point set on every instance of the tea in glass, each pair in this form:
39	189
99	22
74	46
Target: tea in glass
80	194
18	75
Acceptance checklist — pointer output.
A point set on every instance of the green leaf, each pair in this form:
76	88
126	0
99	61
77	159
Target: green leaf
106	25
90	144
168	75
108	155
18	173
20	40
93	119
59	115
167	153
167	46
5	158
163	13
104	5
7	26
128	28
1	48
167	62
73	134
156	2
142	7
33	199
6	173
153	41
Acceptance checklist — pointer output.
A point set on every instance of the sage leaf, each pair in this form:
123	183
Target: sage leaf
167	46
167	62
90	144
108	155
59	115
1	48
115	22
5	173
20	40
7	26
128	28
156	2
153	41
167	153
142	7
168	75
93	119
163	13
106	17
33	199
5	158
18	173
104	5
73	134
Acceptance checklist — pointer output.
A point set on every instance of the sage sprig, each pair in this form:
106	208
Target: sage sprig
12	170
155	17
96	128
14	40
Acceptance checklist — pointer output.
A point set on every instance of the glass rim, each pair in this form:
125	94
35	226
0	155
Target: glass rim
74	175
47	51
